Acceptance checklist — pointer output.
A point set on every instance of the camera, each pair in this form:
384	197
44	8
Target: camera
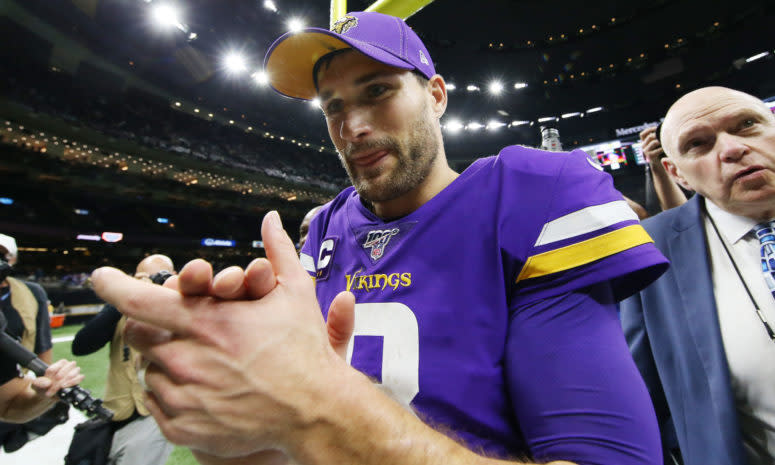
160	277
5	269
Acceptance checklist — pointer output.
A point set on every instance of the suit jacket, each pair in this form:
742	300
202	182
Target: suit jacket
673	332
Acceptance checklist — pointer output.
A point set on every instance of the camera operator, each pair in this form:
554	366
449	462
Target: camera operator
24	316
136	438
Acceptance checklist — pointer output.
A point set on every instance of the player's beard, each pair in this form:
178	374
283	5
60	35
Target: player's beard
414	161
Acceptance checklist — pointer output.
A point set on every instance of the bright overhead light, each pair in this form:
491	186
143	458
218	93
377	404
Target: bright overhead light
519	123
570	115
260	77
593	110
756	57
474	126
269	5
235	63
496	87
520	85
472	88
454	125
546	118
494	125
451	86
166	15
295	25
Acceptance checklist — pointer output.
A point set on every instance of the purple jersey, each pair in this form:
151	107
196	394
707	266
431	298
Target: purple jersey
444	295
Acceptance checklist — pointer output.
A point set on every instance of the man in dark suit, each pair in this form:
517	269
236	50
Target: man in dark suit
701	335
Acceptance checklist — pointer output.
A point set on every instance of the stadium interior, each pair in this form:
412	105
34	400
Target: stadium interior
138	126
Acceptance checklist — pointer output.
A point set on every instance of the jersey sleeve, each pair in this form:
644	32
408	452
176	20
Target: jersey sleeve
575	390
577	231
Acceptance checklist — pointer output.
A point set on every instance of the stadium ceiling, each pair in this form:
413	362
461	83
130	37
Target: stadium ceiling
553	58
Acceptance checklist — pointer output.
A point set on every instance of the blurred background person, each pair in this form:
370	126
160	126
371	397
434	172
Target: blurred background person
668	192
304	227
137	439
25	318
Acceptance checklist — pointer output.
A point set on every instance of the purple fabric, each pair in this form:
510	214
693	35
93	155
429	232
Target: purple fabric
536	368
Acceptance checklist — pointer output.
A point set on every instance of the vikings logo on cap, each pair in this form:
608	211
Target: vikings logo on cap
344	24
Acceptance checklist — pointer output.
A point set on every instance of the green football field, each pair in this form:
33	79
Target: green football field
95	368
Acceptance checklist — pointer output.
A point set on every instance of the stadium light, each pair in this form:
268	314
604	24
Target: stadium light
235	63
756	57
496	87
474	126
594	110
451	87
167	15
472	88
494	125
295	25
269	5
519	123
546	118
520	85
260	77
454	126
570	115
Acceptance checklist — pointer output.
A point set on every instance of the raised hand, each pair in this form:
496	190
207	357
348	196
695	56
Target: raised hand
230	377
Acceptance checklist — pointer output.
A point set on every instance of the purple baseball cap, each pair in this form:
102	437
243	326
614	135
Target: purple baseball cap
290	61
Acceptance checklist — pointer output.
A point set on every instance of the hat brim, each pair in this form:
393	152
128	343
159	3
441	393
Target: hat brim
291	59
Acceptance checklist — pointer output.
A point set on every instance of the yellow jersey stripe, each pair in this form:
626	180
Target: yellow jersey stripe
584	252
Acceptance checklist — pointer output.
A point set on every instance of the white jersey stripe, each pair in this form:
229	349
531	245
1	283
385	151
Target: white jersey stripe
585	221
307	262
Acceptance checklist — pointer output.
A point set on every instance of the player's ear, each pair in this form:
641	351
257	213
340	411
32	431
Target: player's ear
438	92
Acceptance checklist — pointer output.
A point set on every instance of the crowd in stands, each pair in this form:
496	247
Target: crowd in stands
134	115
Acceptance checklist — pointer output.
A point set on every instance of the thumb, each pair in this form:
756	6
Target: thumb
340	322
41	384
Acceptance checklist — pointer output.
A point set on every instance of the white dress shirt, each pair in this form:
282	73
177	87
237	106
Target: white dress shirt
750	351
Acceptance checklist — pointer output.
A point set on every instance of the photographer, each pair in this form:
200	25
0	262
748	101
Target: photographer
24	316
136	437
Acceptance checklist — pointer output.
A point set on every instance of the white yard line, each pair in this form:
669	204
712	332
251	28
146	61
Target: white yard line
62	339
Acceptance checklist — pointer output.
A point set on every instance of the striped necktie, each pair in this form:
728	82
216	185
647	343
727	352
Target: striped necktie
765	232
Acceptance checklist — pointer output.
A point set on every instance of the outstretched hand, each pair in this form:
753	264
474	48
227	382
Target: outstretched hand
230	376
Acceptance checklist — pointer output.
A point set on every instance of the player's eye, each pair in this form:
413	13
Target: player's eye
375	90
332	107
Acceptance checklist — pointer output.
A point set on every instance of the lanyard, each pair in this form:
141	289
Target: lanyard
759	312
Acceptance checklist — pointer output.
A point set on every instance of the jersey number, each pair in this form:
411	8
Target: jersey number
397	325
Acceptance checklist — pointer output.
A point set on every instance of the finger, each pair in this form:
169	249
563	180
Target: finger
143	336
280	249
41	385
172	283
142	301
173	399
162	419
340	322
259	278
195	278
653	145
61	374
229	284
647	131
